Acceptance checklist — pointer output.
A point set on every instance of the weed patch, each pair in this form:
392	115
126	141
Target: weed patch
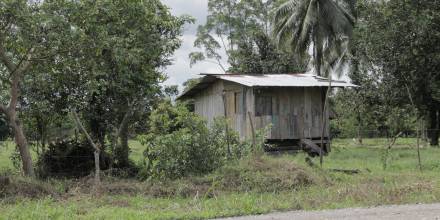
265	174
12	188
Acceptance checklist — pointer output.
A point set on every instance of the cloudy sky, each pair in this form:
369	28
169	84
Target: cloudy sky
180	71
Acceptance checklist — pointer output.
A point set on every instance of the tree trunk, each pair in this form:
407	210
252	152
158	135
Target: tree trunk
95	146
123	151
359	128
120	140
20	140
433	128
97	168
16	72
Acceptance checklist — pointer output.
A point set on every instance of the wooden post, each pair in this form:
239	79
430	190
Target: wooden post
324	119
418	145
253	131
226	126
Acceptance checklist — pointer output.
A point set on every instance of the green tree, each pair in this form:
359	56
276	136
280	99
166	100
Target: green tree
241	30
115	74
30	33
398	40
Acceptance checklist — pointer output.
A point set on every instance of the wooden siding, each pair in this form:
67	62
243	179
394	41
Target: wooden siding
209	102
236	96
296	112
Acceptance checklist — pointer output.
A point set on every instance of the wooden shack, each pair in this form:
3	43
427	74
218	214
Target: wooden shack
290	105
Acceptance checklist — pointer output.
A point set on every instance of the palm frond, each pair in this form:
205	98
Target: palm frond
308	24
336	18
324	25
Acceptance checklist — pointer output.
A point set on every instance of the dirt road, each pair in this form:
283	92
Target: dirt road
394	212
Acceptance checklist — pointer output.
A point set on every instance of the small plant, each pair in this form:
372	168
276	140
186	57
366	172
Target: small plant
387	152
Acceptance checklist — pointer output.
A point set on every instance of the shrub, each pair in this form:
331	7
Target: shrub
180	143
69	158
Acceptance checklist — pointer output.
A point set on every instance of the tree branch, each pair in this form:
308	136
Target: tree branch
50	55
83	130
224	45
16	78
96	147
393	141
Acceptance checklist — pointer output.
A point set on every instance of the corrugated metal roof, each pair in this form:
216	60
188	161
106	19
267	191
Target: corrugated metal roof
267	80
283	80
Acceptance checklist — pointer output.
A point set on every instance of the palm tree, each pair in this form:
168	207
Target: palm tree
322	25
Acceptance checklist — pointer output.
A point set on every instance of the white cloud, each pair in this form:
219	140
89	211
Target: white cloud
180	70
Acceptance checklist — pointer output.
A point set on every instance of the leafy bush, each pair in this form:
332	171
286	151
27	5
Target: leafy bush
69	158
180	143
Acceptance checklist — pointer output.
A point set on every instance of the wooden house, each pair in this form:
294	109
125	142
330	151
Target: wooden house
290	104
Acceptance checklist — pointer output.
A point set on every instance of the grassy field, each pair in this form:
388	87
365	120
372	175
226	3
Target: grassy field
401	182
6	149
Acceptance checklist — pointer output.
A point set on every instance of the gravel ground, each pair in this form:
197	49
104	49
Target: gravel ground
394	212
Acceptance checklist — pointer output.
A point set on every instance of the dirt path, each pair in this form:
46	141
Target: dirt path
394	212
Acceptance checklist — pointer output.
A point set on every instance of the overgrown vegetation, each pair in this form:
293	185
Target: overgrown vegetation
253	185
180	143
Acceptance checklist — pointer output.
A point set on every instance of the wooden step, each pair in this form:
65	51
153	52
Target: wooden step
311	148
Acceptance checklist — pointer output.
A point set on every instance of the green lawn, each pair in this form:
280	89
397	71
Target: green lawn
6	150
401	182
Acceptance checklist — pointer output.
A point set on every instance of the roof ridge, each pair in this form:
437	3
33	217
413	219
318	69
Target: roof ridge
249	74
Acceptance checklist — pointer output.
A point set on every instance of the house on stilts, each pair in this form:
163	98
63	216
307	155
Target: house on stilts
292	104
